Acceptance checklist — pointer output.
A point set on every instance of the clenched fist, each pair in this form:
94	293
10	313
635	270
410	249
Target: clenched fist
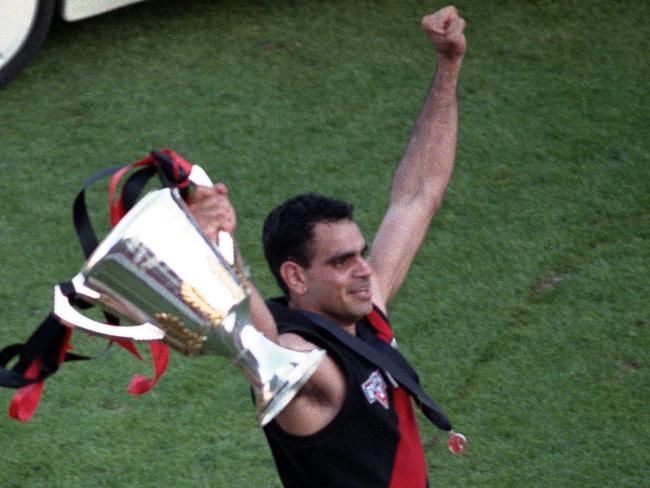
445	29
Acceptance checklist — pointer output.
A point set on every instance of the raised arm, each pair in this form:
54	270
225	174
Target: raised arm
421	179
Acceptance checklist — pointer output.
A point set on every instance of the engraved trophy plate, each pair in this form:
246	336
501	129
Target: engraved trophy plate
157	269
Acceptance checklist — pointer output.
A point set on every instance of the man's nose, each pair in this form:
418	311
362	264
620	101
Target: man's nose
363	267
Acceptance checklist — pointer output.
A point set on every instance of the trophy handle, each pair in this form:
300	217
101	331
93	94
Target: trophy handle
72	318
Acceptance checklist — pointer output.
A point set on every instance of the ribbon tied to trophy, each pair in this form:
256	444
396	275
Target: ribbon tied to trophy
158	270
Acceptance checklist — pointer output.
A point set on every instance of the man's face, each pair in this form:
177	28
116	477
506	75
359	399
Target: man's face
338	277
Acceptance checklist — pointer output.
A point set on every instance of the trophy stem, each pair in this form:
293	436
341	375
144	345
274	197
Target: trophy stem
275	373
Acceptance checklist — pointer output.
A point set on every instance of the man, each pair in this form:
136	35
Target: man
351	425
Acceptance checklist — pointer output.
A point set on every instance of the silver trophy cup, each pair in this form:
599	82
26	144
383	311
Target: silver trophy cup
157	269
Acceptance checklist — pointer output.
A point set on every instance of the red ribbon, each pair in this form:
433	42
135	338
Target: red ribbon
115	206
159	351
160	357
25	401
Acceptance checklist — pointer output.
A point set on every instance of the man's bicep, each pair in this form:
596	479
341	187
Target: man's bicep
319	400
397	241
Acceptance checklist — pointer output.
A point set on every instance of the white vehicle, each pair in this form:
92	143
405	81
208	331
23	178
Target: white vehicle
24	25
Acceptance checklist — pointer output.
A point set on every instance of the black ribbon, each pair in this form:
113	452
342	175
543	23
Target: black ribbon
45	343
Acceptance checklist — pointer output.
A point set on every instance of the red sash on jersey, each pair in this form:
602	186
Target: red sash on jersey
410	468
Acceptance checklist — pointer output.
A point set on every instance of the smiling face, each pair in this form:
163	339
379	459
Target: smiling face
337	281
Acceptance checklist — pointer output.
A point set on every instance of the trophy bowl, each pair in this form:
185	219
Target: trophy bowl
157	269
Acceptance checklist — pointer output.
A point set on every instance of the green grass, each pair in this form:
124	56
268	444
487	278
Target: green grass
526	312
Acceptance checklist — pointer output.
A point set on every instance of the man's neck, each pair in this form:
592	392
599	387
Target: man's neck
350	328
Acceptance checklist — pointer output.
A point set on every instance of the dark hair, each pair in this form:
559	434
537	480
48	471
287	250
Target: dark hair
289	228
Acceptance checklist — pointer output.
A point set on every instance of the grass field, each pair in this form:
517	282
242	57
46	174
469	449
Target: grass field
526	312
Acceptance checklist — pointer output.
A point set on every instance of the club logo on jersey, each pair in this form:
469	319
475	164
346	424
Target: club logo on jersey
375	389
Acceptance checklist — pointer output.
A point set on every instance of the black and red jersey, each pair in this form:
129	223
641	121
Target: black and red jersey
372	442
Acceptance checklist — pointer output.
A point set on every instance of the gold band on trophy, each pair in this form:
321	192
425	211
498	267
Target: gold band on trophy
178	336
194	299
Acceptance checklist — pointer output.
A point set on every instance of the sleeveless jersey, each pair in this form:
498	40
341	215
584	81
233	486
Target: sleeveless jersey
373	441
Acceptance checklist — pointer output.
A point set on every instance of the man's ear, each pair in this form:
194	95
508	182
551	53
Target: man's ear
293	276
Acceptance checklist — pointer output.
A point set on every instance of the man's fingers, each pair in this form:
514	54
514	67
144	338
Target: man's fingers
210	202
221	189
213	211
430	25
440	22
456	26
202	193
